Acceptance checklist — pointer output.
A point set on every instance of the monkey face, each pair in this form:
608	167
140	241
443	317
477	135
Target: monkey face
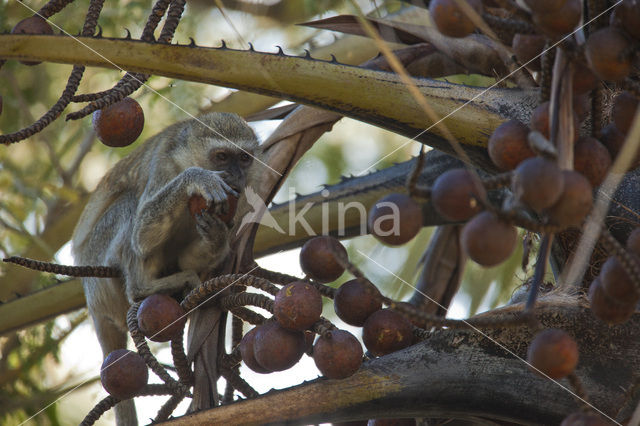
234	162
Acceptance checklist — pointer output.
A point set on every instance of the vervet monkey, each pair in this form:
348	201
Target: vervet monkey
138	220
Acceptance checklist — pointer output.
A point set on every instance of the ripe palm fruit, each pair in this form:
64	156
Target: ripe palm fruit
623	111
553	353
32	25
247	352
487	240
338	354
386	331
355	301
584	80
161	318
538	183
591	159
317	258
197	204
119	124
581	106
450	19
613	139
455	195
528	48
123	373
297	306
633	242
557	23
575	202
275	348
395	219
628	13
605	50
540	121
607	309
616	283
508	145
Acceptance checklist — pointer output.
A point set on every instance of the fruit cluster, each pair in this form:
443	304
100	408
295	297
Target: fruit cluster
297	308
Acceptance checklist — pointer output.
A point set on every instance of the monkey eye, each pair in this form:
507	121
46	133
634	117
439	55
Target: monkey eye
222	156
245	158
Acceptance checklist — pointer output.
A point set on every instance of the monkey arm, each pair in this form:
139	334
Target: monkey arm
159	212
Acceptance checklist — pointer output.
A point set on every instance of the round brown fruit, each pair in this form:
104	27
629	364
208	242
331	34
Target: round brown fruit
123	374
545	5
197	204
275	348
540	121
386	331
623	111
560	22
613	139
607	309
584	80
297	306
232	205
455	194
582	106
605	50
575	202
450	19
508	145
591	159
247	353
337	354
354	301
119	124
554	353
161	318
538	183
584	419
616	283
317	258
487	240
32	25
633	242
629	15
395	219
528	49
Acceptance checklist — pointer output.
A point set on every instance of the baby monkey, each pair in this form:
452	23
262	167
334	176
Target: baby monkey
138	221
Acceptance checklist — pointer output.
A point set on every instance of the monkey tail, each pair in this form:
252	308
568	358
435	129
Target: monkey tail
72	271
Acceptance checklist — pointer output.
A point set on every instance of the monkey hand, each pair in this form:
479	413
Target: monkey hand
210	227
210	185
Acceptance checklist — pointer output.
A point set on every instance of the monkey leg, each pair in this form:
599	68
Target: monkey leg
169	284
